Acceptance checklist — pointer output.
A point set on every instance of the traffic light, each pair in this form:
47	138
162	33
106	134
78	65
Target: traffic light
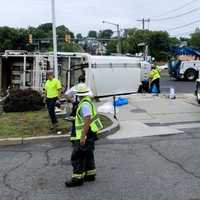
30	38
67	38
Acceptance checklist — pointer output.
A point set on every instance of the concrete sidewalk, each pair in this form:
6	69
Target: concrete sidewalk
148	115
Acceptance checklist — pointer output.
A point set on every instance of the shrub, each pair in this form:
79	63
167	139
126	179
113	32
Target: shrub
23	100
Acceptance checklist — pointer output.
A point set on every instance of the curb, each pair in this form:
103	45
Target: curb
111	129
20	141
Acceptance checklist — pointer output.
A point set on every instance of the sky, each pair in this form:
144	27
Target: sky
80	16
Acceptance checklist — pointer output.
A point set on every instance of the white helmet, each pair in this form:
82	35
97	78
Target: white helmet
82	89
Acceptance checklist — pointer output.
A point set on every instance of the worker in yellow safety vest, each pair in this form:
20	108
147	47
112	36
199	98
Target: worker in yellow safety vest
52	92
154	78
87	126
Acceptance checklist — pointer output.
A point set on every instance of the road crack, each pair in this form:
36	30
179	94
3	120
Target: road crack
6	175
46	153
179	165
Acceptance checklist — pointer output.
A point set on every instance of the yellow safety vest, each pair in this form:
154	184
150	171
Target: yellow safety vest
154	74
95	125
52	87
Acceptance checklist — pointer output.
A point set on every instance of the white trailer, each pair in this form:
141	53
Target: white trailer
21	69
110	75
105	75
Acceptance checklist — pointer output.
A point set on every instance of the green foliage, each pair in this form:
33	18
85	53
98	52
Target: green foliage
112	47
92	34
23	100
8	38
133	38
195	40
71	47
45	27
105	34
162	56
173	41
17	39
157	41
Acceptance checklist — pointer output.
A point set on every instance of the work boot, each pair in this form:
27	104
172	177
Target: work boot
74	183
53	129
89	178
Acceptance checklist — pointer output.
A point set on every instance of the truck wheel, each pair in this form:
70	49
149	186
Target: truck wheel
190	75
198	93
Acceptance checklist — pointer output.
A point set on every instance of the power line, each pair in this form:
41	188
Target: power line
143	22
185	25
182	34
175	16
176	9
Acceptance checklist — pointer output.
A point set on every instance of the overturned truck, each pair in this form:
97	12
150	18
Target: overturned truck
105	75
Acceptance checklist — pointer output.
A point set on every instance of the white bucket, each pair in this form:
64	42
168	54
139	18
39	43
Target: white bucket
172	94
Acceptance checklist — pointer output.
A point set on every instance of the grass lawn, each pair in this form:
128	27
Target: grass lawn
37	123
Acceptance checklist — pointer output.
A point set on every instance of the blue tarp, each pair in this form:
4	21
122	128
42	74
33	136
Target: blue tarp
120	101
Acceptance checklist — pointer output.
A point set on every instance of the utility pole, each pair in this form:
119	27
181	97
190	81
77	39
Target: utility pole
143	20
54	39
119	50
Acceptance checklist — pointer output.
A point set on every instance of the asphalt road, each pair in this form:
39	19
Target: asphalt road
155	168
151	168
180	86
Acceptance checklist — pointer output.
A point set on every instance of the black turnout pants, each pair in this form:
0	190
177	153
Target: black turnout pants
51	103
82	159
157	83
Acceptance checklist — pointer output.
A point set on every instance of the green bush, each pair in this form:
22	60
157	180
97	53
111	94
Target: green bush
23	100
162	56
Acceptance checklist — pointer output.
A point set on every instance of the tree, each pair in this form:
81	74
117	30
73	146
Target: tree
79	36
111	47
173	41
17	39
105	34
195	40
92	34
8	38
134	37
157	41
159	44
47	27
44	33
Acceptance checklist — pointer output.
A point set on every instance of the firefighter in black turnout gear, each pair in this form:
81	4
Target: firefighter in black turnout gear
72	98
87	126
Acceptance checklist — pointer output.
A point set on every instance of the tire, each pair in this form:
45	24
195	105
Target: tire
198	93
190	75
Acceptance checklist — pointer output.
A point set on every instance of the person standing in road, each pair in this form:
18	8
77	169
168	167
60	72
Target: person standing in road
87	126
154	78
72	98
52	92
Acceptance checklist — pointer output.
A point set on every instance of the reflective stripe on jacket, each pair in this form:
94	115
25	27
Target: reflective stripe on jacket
95	125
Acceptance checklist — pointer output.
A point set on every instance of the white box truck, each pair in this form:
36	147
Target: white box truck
110	75
105	75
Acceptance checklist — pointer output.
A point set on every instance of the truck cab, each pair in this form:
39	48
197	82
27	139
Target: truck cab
187	70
